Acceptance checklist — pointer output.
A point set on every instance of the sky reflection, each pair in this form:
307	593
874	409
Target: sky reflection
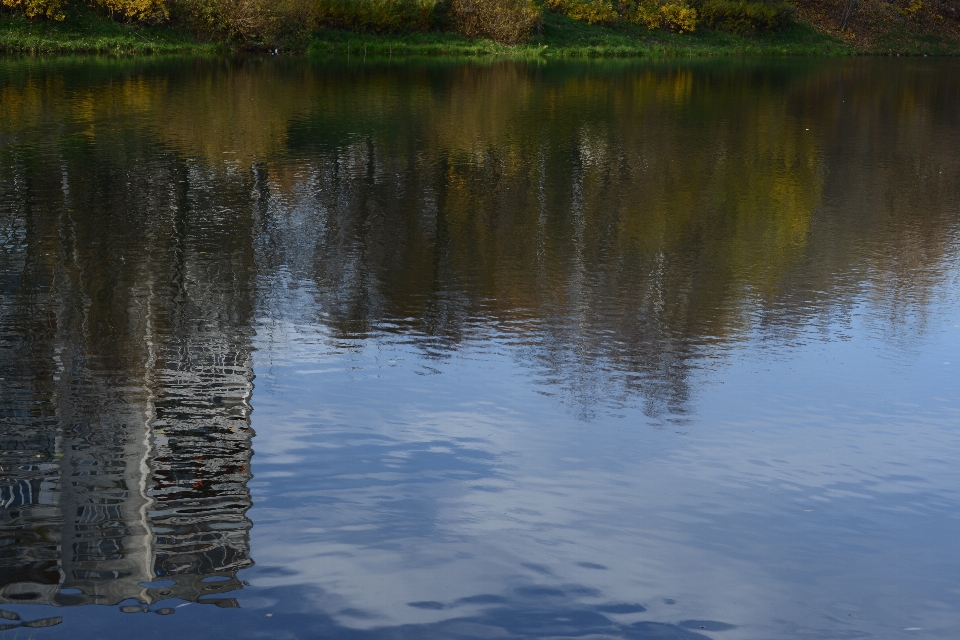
658	350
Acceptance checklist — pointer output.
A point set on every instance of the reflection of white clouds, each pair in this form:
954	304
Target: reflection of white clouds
801	497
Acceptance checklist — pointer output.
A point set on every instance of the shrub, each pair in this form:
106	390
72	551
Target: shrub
671	16
505	21
653	14
234	19
745	18
590	11
678	17
52	9
142	10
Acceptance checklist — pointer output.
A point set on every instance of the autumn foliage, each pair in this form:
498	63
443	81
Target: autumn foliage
671	15
504	21
250	21
55	9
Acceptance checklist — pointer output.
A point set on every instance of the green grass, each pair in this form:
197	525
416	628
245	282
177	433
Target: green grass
87	32
433	43
571	38
562	37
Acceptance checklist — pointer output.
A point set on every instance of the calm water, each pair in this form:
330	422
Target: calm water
443	350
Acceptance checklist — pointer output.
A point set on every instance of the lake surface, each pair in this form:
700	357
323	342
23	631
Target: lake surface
388	350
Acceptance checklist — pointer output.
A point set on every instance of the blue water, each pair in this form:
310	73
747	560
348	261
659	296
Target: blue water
444	350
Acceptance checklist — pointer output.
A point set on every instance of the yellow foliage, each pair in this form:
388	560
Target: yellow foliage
136	9
52	9
672	16
679	18
913	8
649	16
590	11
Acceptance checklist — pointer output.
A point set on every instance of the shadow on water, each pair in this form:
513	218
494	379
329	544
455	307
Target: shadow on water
614	228
526	615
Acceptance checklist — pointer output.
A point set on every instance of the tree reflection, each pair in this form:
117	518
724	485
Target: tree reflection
613	226
126	360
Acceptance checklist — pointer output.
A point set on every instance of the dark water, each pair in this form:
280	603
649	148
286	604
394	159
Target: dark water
443	350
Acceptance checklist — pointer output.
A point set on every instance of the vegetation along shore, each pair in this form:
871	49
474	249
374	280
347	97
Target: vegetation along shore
507	28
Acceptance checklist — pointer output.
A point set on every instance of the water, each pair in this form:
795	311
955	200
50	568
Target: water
480	350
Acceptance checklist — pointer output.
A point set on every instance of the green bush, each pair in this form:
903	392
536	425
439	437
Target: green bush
743	17
52	9
671	16
504	21
237	20
140	10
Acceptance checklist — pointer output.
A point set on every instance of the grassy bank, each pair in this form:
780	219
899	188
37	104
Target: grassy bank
559	37
562	37
88	32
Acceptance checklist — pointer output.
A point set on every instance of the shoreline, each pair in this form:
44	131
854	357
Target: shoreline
560	37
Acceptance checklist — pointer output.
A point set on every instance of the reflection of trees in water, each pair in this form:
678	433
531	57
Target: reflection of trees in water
125	438
614	230
617	228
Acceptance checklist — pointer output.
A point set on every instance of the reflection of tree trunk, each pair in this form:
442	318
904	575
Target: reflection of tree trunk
848	7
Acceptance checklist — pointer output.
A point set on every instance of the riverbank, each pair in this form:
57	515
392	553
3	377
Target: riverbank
562	37
559	37
87	32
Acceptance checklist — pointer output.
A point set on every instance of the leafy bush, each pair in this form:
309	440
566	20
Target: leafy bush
52	9
590	11
671	16
654	14
242	20
743	17
143	10
263	20
505	21
678	17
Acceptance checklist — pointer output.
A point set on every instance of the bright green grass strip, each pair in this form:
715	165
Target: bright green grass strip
86	32
562	37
